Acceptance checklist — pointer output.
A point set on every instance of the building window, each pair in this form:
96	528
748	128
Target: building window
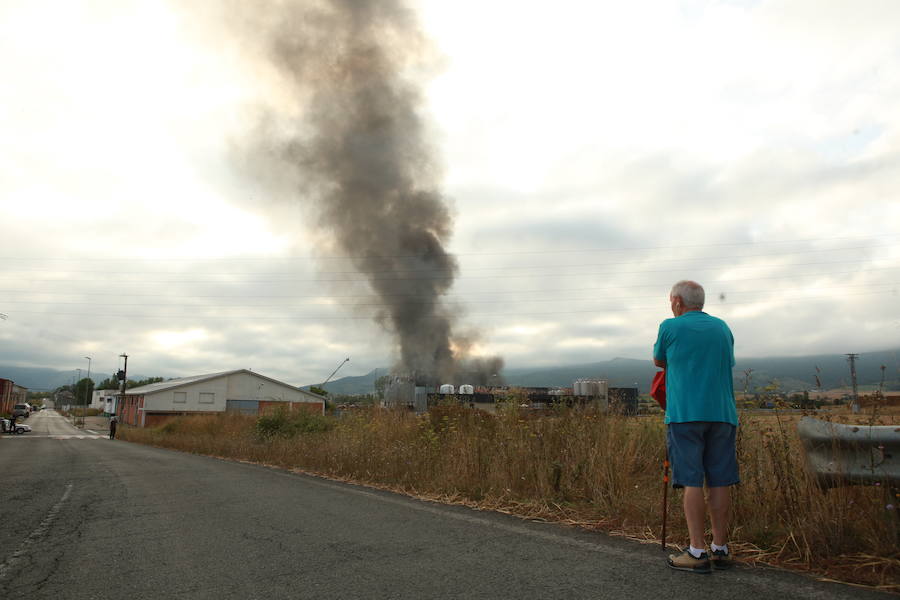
207	397
180	397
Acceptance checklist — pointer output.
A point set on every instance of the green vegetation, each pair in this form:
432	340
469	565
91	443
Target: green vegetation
83	391
111	383
286	425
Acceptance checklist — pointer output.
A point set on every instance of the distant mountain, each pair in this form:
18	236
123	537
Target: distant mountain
621	372
833	370
39	380
790	373
354	385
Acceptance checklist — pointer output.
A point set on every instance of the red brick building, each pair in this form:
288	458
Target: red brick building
10	395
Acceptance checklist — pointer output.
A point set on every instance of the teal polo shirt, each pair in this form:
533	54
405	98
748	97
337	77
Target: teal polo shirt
699	354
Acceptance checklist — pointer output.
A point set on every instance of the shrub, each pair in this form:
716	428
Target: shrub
284	424
170	426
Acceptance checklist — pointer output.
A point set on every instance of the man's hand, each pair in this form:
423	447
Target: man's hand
659	363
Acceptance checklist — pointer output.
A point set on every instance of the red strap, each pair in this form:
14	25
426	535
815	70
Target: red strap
658	388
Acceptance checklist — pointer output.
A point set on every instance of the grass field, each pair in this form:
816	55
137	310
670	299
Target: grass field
579	467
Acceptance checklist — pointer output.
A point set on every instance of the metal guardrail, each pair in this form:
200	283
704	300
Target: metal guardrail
841	454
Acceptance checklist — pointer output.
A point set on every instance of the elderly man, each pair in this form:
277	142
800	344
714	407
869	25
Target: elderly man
697	352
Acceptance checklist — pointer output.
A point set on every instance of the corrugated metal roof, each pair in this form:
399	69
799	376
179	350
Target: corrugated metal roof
173	383
164	385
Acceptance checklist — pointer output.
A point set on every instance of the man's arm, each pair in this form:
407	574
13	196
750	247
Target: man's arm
659	348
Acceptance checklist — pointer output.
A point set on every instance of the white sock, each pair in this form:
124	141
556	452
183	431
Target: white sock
694	552
714	548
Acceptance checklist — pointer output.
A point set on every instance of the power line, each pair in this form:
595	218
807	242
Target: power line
363	279
596	310
505	253
498	268
792	276
447	300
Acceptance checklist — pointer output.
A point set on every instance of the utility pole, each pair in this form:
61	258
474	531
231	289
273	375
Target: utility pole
75	398
88	391
123	377
852	359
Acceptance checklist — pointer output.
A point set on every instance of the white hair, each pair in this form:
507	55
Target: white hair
690	292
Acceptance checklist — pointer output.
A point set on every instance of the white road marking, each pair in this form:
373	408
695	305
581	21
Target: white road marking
52	436
36	535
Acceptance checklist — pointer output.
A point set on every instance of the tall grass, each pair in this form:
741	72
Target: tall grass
577	466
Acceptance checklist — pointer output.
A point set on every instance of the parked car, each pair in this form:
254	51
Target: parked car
21	428
7	426
21	410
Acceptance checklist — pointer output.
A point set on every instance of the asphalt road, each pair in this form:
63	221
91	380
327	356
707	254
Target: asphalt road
87	517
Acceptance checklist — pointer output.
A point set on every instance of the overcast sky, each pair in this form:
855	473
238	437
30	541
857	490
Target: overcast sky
593	154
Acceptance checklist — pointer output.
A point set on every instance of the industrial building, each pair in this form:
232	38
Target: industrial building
242	391
10	395
105	400
404	391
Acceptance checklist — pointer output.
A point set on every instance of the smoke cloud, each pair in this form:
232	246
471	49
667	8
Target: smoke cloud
357	148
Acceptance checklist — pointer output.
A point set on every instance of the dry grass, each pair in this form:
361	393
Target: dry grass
578	467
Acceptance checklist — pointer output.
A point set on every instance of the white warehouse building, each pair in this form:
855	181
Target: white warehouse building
105	400
239	391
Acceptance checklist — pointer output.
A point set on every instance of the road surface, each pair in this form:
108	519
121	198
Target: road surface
86	517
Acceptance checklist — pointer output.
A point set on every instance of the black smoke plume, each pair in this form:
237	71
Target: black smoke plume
358	149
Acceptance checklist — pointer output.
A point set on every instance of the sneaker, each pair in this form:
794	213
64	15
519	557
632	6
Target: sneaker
721	559
686	562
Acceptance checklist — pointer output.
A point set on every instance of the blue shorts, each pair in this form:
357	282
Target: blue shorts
702	450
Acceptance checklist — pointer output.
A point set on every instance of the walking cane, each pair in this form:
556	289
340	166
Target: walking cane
658	392
665	506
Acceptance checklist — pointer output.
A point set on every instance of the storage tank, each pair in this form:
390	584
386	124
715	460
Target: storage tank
593	388
447	388
466	389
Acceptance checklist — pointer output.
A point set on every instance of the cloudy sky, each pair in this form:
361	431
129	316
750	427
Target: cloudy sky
592	154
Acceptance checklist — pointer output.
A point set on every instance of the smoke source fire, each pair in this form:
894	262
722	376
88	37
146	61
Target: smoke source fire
358	146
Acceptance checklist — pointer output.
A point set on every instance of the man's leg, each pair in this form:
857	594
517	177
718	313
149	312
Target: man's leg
720	462
719	507
695	515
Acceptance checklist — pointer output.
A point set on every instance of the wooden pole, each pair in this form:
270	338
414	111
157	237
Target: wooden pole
665	505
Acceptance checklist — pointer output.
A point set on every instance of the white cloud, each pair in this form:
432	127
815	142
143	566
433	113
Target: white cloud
595	153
